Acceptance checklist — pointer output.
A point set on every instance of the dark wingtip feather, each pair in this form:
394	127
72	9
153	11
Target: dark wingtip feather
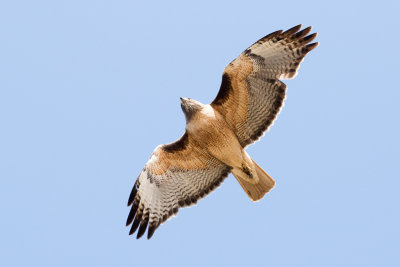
132	230
136	223
269	36
298	27
291	30
274	33
133	194
310	47
131	214
129	219
142	228
303	32
151	230
309	38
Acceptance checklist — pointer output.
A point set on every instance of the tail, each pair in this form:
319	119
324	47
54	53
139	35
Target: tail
255	188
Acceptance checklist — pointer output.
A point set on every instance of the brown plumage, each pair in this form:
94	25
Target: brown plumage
250	97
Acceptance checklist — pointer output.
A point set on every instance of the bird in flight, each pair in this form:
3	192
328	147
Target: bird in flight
213	145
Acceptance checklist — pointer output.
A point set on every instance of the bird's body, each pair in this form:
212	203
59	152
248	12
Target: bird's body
216	134
211	132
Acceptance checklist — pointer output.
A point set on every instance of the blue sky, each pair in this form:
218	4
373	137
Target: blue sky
89	88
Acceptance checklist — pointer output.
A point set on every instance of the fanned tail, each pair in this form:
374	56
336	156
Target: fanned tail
255	188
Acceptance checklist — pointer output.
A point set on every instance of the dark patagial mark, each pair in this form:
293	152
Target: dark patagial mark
178	145
224	90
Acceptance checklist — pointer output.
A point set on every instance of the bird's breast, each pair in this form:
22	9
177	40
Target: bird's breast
210	130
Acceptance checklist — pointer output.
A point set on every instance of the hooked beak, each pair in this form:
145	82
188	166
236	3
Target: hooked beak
183	99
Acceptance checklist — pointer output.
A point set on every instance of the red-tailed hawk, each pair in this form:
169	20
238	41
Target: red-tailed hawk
250	98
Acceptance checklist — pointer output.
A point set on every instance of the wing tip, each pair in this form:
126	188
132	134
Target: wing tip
129	219
291	30
309	38
142	228
303	32
293	35
268	37
310	47
151	230
136	222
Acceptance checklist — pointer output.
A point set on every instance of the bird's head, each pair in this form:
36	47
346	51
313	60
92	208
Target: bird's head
190	107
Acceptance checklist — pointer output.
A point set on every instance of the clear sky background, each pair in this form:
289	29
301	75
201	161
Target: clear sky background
89	88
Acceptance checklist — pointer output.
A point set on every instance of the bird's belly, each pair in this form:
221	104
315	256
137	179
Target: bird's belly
220	142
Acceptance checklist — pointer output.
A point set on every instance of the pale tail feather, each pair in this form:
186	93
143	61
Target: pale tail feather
255	191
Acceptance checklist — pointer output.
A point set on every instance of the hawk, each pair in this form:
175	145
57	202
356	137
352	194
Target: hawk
213	145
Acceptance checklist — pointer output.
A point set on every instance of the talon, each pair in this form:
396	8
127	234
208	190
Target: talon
247	171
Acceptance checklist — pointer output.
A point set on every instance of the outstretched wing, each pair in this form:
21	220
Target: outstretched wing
177	175
251	94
